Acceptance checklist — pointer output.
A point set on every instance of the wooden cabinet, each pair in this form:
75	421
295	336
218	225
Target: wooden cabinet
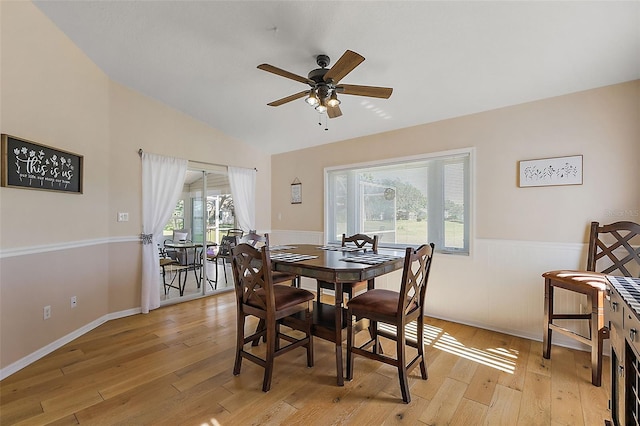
624	324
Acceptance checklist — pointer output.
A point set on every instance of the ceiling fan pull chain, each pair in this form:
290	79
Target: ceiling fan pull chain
326	123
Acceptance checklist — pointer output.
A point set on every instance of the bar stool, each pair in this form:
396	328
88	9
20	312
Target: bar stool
603	242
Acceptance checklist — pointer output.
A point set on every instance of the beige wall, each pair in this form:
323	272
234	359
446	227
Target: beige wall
55	245
519	233
603	125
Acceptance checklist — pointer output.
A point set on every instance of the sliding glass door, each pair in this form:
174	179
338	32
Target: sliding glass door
202	216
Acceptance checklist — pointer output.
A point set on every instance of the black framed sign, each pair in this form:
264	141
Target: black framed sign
27	164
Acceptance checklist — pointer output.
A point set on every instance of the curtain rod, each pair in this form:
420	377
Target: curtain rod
140	151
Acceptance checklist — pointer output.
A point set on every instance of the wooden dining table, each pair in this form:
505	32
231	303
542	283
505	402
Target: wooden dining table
339	267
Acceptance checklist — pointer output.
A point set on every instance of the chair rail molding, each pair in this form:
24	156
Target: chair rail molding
29	250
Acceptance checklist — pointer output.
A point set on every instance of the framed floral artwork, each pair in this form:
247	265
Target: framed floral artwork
550	171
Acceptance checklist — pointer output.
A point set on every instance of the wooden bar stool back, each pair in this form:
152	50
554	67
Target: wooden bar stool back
611	252
396	309
256	295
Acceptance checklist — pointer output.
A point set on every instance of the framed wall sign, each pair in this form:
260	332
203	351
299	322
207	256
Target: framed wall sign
551	171
296	192
30	165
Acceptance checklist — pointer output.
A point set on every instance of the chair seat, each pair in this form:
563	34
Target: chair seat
578	279
378	301
285	297
167	261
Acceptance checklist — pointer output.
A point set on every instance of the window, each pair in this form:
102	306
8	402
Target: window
406	202
176	221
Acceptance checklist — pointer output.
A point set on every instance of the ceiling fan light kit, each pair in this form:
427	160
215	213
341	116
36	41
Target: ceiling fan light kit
325	84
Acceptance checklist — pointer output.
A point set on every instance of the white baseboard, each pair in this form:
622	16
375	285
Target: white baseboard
33	357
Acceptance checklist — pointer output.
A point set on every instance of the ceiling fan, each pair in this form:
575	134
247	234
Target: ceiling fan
325	84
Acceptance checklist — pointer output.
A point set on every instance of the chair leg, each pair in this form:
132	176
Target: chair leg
164	279
373	332
195	274
309	318
184	282
239	343
349	346
599	332
271	348
596	369
402	363
548	318
423	363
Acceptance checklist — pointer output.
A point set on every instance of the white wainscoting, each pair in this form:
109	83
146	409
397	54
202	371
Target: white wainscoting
498	287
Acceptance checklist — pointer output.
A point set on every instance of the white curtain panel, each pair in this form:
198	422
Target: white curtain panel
162	182
243	191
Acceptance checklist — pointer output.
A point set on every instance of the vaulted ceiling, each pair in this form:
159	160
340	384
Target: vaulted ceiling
443	59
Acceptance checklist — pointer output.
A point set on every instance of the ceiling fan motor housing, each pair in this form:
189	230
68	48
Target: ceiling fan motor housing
322	61
317	75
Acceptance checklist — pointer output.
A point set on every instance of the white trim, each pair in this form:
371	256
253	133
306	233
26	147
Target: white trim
24	251
400	160
469	151
40	353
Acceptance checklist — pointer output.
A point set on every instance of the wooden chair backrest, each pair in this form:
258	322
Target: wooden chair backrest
614	247
361	240
417	264
251	272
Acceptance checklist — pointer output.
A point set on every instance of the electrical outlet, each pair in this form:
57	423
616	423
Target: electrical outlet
47	312
123	217
74	302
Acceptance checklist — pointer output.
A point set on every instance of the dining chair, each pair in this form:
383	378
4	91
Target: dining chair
613	250
396	309
181	256
257	240
349	289
256	295
187	259
222	253
167	262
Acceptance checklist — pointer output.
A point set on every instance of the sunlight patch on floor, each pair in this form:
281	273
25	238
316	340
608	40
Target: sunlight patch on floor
499	358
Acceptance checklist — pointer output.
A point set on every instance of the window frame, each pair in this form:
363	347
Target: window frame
469	195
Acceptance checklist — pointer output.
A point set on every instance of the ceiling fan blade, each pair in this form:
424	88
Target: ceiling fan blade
287	74
333	112
347	62
370	91
289	98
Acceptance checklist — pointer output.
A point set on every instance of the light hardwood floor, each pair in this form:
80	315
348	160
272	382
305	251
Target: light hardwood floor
173	366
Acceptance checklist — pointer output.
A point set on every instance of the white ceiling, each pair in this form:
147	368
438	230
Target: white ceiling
443	59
